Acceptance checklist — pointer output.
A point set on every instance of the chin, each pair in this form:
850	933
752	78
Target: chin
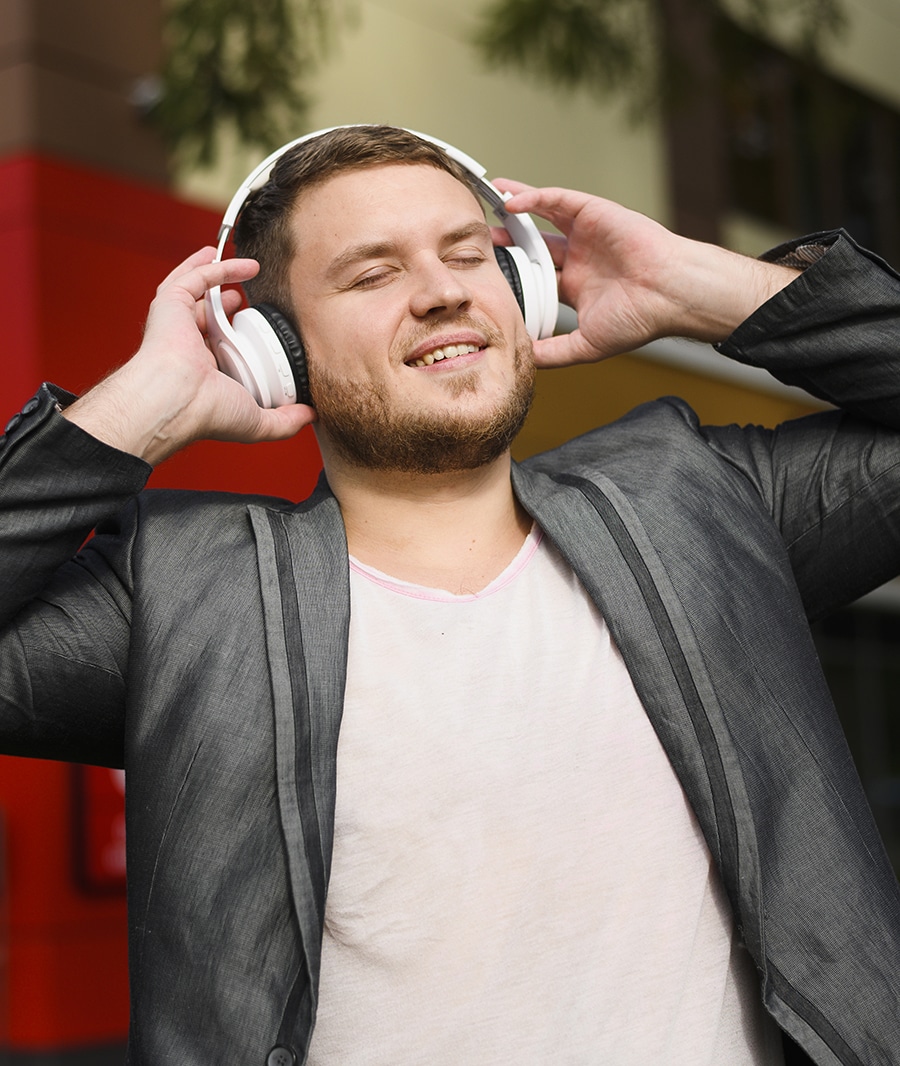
367	428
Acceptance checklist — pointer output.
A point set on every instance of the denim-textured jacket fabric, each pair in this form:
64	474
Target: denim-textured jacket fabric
200	639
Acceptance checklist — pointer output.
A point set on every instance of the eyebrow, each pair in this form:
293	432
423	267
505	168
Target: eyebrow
359	253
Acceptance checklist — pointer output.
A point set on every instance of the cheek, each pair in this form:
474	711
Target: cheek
328	337
361	337
504	299
351	355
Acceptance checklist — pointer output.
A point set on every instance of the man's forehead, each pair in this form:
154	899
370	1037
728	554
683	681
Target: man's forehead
363	191
367	208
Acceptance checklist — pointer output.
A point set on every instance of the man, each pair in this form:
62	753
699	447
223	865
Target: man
565	784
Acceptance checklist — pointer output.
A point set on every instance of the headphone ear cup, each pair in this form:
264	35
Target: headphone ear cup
529	286
507	264
290	340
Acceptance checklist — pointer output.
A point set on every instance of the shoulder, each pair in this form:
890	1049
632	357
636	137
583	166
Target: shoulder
642	435
662	459
180	519
192	506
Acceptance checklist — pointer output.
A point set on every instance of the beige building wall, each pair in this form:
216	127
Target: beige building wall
410	63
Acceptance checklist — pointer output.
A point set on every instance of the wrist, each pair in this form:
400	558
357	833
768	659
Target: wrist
718	289
134	416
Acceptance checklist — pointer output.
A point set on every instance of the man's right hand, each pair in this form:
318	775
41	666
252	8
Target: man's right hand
631	280
171	393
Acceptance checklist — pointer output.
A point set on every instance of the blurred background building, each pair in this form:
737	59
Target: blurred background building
749	139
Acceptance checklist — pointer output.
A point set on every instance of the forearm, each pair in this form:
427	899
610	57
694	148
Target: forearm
710	291
133	411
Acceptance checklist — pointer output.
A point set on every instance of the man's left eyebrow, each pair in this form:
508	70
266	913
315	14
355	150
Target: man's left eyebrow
475	228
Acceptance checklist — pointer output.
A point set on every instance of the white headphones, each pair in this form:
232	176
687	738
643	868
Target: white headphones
260	347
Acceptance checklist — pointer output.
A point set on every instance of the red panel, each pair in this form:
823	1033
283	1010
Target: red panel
83	254
68	988
18	283
67	975
99	830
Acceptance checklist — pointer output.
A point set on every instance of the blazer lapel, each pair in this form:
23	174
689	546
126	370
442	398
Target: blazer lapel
602	538
304	577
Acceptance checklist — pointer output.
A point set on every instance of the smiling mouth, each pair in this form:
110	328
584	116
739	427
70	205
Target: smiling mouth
451	351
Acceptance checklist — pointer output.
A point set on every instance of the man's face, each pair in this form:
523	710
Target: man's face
418	356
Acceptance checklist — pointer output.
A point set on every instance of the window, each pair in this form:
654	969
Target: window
859	651
805	151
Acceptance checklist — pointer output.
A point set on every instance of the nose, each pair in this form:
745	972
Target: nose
438	289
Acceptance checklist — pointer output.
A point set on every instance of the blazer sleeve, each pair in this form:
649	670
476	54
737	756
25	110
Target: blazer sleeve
830	480
834	331
64	608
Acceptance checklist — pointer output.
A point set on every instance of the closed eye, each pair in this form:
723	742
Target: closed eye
370	281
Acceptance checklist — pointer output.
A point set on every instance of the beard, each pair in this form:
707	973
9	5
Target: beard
367	430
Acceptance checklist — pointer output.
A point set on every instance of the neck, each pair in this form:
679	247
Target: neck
455	531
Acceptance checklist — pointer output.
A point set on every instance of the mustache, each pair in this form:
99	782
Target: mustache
462	321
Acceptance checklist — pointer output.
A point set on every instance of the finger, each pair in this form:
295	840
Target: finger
510	185
232	301
198	258
558	247
556	205
197	274
554	242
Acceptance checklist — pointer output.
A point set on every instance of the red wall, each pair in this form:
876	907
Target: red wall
83	253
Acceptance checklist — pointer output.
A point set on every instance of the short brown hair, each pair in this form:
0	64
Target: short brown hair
263	232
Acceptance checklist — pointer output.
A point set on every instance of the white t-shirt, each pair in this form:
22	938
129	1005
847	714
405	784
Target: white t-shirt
517	874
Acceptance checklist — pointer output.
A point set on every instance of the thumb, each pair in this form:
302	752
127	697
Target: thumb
282	423
566	349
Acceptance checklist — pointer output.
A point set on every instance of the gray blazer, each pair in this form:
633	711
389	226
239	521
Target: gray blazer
200	639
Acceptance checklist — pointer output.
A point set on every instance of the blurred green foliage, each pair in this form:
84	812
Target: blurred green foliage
623	46
238	64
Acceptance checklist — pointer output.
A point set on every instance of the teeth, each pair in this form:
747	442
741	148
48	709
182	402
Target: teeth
451	351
